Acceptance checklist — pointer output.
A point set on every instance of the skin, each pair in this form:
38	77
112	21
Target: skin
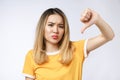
54	31
89	17
54	27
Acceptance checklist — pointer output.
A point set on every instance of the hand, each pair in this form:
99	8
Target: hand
88	17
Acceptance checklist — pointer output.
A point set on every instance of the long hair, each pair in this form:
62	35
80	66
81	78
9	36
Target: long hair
65	45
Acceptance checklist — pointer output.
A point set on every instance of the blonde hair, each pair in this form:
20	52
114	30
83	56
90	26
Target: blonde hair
65	45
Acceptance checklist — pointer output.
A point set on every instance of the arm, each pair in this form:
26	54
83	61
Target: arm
91	17
27	78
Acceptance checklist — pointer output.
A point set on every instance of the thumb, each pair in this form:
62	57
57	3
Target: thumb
84	28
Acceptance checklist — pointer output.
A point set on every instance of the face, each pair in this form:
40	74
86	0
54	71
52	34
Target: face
54	29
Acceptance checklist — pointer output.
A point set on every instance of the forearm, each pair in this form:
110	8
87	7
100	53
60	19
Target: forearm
105	29
91	17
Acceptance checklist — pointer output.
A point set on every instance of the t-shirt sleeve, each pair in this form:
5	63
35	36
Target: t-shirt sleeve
81	47
85	48
28	70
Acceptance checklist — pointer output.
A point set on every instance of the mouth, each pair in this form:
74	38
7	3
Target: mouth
54	36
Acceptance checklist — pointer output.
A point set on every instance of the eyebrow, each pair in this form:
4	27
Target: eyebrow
54	23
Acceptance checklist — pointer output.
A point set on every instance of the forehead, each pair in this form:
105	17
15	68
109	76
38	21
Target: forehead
55	18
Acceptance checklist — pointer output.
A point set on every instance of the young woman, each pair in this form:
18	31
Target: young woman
54	56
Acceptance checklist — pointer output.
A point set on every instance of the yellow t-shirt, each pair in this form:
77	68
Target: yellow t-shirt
54	70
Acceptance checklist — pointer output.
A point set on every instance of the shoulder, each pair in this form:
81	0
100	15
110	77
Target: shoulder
29	53
78	43
80	46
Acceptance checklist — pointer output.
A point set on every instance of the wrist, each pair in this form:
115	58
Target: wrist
99	21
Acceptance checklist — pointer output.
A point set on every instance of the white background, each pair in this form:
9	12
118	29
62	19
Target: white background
18	20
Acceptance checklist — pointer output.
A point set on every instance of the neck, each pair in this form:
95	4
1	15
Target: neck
51	47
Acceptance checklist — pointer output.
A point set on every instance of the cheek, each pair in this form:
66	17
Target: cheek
46	28
47	32
62	33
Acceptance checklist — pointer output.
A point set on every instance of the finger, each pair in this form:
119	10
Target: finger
83	29
87	12
85	19
86	16
87	25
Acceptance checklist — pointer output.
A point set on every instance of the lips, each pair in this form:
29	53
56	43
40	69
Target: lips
54	36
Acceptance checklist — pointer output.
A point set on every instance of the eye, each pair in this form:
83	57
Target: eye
50	25
61	26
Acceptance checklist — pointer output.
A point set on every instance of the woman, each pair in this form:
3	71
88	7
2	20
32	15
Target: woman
54	56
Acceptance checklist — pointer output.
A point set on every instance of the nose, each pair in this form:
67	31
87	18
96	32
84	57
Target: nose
55	29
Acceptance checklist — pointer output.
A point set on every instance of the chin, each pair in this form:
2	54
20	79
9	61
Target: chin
54	41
